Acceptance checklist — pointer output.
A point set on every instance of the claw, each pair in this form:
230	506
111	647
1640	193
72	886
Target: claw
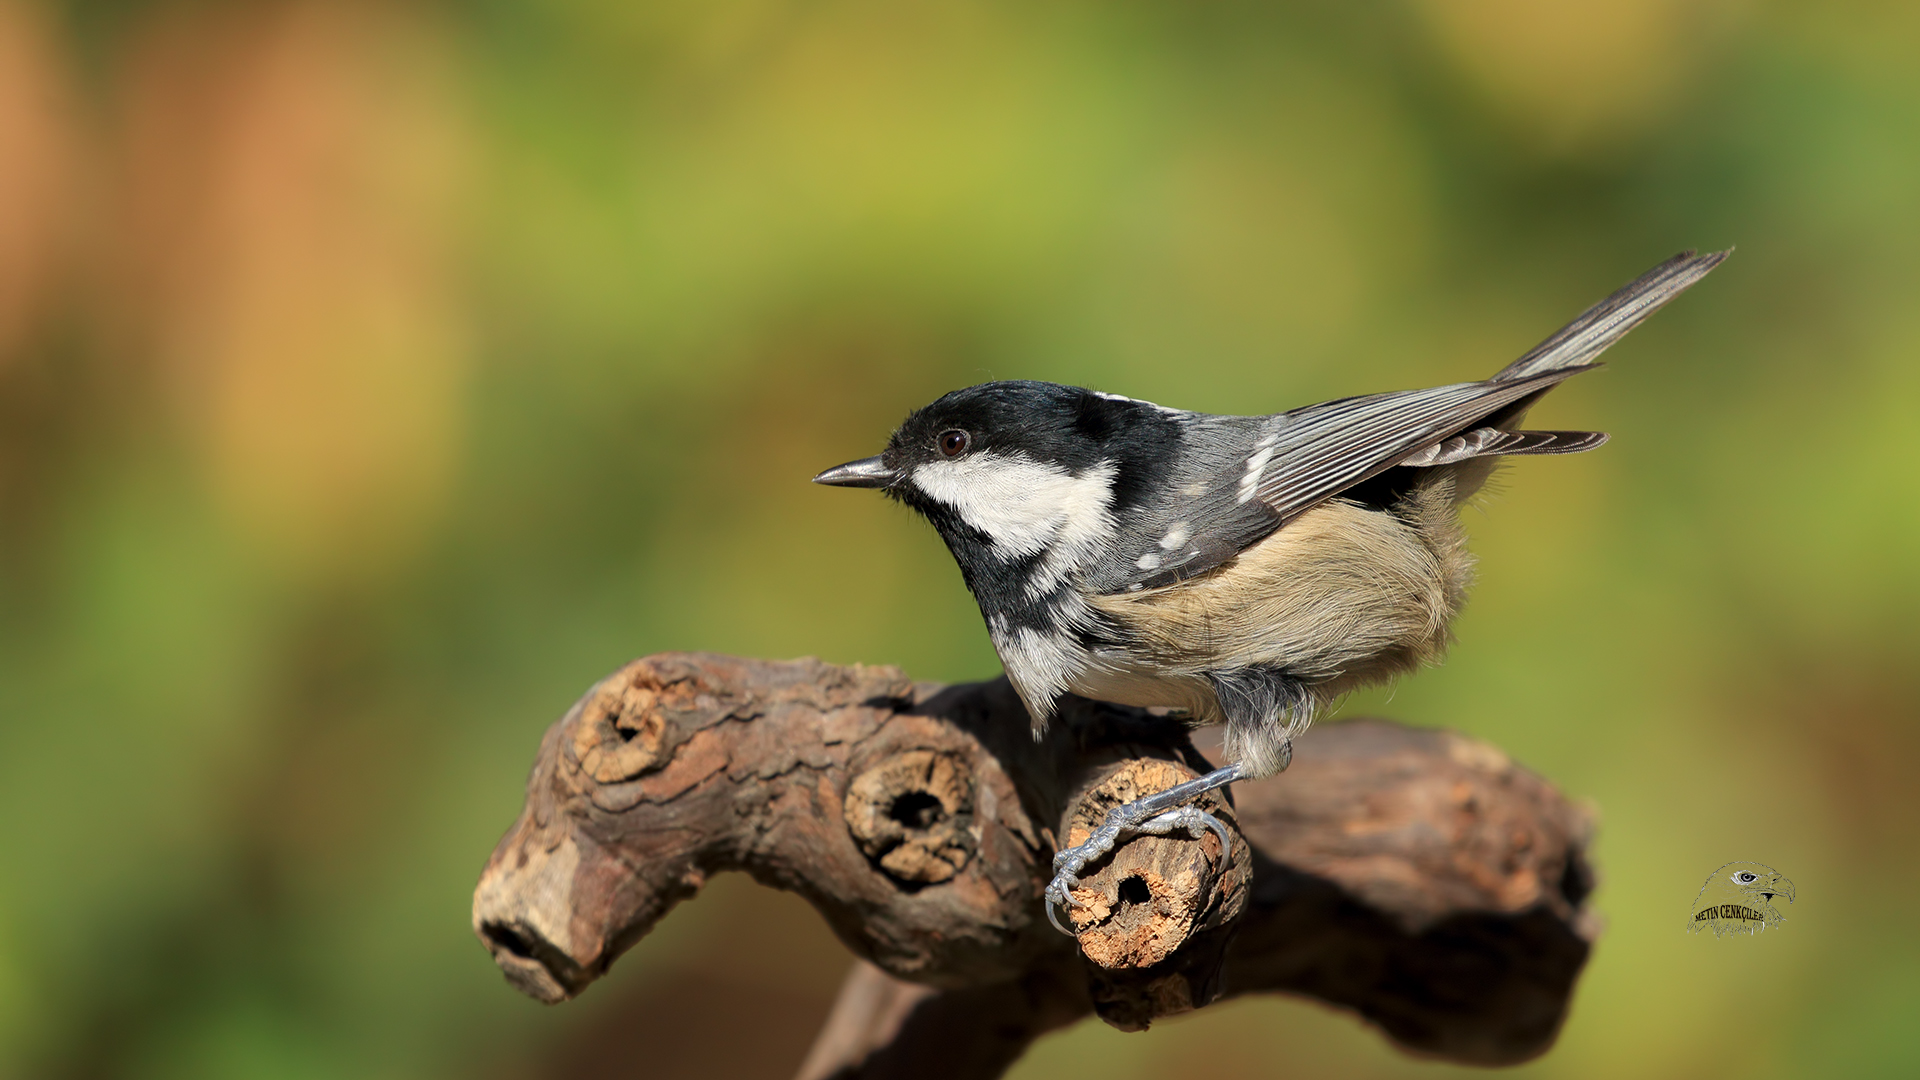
1219	830
1053	917
1226	841
1059	895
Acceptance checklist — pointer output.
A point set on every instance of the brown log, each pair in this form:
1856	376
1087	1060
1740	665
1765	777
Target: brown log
1416	877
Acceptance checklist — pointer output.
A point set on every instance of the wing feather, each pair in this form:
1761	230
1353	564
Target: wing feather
1322	450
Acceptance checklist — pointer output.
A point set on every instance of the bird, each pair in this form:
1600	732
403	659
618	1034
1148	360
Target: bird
1235	570
1738	899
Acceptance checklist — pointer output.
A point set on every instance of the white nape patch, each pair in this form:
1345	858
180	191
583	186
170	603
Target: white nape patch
1026	507
1149	561
1134	400
1175	536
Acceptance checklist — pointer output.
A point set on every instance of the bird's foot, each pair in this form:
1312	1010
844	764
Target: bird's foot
1158	814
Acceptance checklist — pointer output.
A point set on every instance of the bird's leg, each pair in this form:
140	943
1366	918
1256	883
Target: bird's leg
1161	813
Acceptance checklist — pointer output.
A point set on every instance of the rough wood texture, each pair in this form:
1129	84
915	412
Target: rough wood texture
1416	877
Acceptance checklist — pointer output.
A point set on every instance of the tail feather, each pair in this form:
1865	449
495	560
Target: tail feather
1495	442
1551	442
1606	322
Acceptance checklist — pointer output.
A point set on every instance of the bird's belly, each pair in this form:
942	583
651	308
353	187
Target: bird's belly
1125	680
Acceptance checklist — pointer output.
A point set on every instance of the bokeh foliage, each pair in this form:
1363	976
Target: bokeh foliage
374	377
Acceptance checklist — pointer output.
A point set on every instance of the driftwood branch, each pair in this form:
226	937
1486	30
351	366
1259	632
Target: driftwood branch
1415	877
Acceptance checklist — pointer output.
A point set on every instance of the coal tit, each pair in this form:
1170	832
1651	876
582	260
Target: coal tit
1243	570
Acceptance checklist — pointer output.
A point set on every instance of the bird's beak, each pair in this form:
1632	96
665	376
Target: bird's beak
865	473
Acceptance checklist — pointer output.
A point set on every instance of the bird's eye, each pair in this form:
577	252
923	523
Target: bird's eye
954	442
1746	878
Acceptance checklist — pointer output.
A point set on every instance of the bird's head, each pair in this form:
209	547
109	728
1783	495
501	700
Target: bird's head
1014	466
1757	881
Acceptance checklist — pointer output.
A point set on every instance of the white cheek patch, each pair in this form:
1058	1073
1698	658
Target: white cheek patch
1025	506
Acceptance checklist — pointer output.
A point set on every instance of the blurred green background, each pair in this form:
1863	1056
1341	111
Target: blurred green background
373	378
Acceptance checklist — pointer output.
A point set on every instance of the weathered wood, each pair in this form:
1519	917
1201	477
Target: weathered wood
1416	877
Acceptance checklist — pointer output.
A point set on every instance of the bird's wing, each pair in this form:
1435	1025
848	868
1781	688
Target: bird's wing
1279	467
1310	455
1313	454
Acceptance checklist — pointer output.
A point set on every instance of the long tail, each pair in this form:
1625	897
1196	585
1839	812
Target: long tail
1606	322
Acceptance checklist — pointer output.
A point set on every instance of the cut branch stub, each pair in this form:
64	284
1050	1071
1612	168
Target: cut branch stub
1155	918
620	731
1142	904
913	816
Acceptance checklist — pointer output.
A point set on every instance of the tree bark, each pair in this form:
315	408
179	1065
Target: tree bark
1415	877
